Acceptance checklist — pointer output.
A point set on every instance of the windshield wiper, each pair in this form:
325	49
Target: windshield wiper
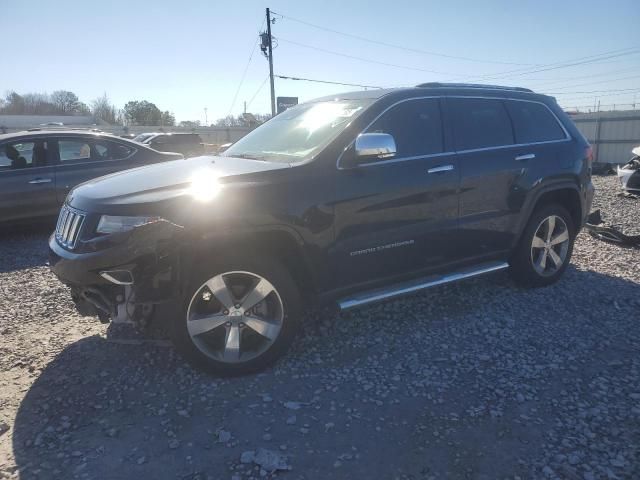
248	156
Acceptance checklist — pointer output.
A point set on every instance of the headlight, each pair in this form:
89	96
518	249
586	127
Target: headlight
114	224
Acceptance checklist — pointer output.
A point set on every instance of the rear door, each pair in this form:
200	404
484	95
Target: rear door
489	174
83	158
504	147
399	215
27	181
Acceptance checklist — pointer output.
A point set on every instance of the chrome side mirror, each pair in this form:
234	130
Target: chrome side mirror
373	146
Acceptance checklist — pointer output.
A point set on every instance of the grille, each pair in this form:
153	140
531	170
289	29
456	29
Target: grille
68	227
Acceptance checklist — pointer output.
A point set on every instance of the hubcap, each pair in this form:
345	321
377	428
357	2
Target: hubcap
235	316
550	246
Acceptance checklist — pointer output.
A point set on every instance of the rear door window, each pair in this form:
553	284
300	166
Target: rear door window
479	123
74	150
415	125
533	122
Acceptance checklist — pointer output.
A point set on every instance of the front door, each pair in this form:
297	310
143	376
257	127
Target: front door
398	215
84	158
27	182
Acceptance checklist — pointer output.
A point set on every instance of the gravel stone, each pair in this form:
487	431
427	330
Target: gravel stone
480	379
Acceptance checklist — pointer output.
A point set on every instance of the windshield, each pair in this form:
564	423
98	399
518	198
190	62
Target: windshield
142	137
299	132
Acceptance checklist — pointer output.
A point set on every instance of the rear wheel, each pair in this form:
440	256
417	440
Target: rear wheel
545	248
239	317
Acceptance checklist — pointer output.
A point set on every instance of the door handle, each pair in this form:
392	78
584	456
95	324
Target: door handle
528	156
37	181
440	168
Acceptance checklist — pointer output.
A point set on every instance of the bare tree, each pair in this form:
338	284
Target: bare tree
103	109
66	102
190	123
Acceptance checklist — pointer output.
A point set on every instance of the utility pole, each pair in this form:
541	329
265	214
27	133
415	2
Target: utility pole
270	49
206	119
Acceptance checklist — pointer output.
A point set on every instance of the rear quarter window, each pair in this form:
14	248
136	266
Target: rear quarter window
533	122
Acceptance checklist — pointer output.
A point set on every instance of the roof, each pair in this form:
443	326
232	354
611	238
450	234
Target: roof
48	132
420	89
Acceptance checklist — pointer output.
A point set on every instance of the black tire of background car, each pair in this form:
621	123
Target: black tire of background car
520	264
286	288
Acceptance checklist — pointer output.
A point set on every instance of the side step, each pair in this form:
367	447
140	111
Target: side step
412	286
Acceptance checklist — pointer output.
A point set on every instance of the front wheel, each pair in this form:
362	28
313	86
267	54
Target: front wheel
239	317
545	248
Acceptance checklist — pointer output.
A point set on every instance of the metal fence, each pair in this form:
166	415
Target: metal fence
612	134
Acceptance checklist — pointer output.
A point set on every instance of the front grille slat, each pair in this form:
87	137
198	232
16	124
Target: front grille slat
69	226
73	231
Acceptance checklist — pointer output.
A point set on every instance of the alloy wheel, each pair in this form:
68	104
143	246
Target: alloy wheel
550	246
235	316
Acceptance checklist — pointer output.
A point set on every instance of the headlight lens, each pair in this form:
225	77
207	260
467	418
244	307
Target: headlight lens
115	224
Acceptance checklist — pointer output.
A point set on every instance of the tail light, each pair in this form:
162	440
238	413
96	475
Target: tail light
588	155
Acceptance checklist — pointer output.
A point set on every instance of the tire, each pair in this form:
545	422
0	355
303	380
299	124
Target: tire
526	265
246	341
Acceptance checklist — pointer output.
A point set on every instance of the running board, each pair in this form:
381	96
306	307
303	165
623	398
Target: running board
412	286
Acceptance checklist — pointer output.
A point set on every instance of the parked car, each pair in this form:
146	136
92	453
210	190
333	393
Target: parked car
189	144
350	199
629	173
39	167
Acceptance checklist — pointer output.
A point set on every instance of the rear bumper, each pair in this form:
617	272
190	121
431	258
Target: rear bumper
589	192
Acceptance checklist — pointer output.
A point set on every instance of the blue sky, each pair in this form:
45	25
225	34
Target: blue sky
188	55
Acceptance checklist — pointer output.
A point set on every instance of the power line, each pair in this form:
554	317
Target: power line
244	73
326	81
596	91
258	90
547	81
566	64
599	81
369	60
517	72
391	45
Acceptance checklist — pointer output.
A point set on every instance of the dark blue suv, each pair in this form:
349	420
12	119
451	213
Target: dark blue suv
349	199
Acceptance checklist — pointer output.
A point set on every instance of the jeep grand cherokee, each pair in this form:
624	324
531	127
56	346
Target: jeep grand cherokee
350	199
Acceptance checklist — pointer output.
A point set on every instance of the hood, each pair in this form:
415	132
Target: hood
163	181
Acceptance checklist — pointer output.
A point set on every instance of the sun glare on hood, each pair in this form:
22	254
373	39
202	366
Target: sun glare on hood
204	186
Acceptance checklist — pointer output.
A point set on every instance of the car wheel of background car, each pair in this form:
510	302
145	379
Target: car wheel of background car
238	317
545	248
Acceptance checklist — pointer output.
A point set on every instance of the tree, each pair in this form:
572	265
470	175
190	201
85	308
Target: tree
65	102
13	104
242	121
103	109
167	119
81	108
229	121
142	113
190	123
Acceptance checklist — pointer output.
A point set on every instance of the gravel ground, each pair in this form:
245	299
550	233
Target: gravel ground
475	380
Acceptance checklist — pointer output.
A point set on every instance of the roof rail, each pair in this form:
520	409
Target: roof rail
38	129
471	85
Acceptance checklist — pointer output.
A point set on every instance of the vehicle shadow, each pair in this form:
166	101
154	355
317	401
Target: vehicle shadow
102	409
24	246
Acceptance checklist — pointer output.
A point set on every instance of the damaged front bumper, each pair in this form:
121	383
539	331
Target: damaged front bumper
120	277
629	176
